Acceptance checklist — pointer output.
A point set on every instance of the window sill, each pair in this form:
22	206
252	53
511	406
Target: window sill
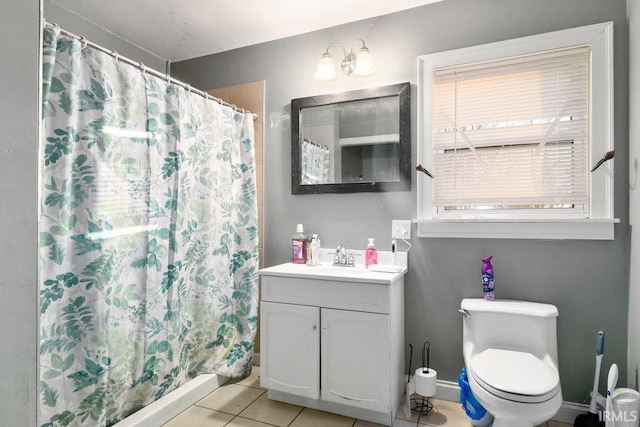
561	229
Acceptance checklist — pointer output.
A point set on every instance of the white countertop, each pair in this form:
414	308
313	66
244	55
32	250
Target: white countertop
327	271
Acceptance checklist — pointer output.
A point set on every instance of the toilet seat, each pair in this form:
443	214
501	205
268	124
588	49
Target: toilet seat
515	375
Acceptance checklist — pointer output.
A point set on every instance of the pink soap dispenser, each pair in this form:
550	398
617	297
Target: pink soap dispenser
371	255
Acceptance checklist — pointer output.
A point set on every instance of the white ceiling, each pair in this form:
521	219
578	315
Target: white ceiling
183	29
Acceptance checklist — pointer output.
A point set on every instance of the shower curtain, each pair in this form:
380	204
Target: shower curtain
315	160
148	237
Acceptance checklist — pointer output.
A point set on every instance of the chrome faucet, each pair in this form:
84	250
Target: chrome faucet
341	258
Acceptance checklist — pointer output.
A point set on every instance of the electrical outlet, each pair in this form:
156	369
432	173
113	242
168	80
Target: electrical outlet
400	229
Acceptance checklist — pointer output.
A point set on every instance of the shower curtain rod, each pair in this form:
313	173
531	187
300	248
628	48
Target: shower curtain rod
151	71
324	147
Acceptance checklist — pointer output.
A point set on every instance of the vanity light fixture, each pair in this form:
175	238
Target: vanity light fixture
360	65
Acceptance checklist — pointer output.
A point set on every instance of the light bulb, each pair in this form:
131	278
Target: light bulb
364	63
326	69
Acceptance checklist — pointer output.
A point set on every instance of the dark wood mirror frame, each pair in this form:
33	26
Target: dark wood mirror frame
403	91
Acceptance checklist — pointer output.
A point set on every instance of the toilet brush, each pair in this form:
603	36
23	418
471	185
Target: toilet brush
591	419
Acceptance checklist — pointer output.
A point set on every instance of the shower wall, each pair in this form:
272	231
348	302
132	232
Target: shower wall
19	119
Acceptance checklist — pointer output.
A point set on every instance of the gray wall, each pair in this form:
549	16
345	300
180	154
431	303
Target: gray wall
76	24
633	13
587	280
19	50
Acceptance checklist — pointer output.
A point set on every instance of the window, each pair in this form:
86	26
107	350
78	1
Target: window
510	130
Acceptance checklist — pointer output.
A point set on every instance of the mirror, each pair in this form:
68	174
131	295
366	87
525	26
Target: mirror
352	141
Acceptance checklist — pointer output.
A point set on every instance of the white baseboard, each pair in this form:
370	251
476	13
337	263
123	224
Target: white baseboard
569	411
167	407
449	390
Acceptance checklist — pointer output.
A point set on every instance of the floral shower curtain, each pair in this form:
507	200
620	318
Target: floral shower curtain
315	160
148	237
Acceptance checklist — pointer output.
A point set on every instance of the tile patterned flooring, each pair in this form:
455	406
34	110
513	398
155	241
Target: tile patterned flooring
245	404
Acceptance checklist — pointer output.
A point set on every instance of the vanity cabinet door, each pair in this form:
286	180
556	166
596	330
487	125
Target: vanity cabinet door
356	359
290	349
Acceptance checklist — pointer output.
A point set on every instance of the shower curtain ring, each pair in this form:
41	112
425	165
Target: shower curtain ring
143	68
83	41
116	56
188	87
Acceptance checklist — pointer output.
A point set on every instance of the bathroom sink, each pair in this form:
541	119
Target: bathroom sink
327	271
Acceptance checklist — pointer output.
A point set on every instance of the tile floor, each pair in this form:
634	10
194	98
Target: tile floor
244	404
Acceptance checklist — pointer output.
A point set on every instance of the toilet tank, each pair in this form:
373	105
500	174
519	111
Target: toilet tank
510	325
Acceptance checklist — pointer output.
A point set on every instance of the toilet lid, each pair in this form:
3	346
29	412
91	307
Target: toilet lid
515	375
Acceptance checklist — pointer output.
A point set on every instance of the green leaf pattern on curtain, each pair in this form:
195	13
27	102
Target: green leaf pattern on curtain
316	163
148	237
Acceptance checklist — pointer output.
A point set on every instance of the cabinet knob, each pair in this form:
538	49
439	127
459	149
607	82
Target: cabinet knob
314	327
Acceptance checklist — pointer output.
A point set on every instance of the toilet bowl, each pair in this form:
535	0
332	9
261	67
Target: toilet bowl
510	350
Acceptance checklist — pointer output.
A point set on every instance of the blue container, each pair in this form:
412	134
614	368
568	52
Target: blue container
471	406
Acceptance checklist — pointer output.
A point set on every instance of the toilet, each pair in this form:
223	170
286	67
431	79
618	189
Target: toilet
510	350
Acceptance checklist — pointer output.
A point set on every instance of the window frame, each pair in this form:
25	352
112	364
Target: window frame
599	224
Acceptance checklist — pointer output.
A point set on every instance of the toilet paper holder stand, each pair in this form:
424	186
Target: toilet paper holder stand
419	404
426	347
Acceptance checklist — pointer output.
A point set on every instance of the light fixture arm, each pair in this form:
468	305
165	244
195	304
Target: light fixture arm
326	52
354	43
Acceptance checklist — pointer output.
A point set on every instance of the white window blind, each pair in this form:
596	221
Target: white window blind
513	133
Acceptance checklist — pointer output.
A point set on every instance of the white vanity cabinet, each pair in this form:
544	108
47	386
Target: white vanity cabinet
292	349
333	341
356	359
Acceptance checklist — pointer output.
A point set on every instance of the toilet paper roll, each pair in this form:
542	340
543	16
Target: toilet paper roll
425	382
428	382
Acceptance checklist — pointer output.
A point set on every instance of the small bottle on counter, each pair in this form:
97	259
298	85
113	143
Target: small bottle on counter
371	256
313	250
299	246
